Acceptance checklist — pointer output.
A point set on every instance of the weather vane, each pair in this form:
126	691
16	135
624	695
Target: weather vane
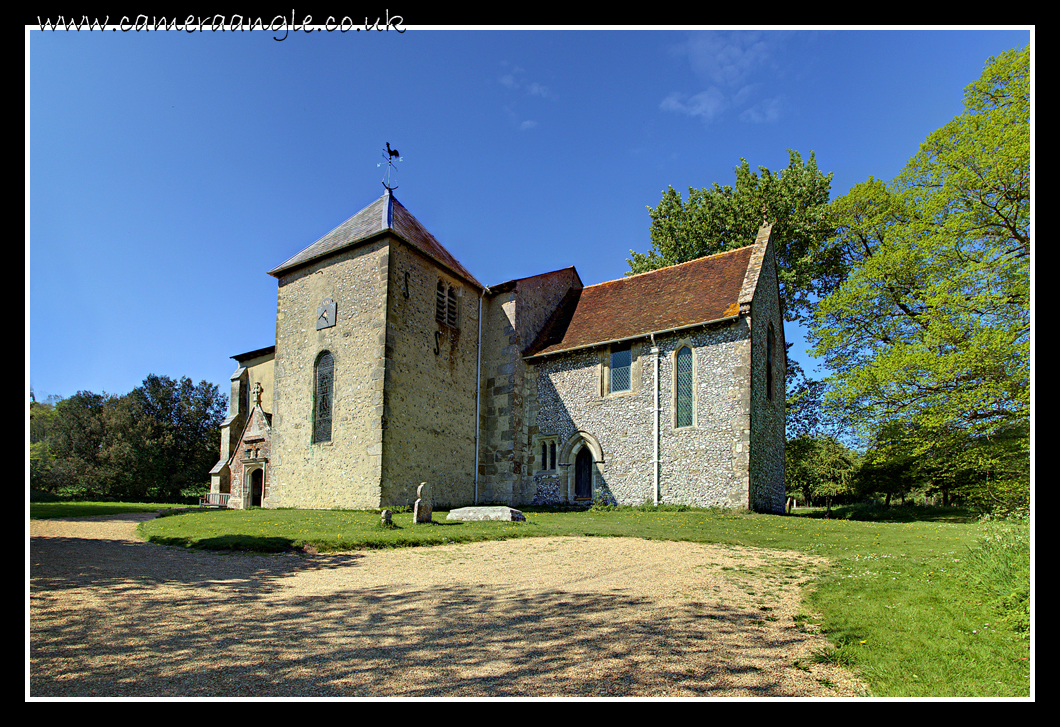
389	155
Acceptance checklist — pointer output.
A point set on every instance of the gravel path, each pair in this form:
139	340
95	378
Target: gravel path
112	616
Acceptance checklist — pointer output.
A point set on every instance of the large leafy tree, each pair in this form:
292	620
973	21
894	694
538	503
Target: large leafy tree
720	218
836	467
153	442
41	418
820	467
76	441
184	436
804	411
927	320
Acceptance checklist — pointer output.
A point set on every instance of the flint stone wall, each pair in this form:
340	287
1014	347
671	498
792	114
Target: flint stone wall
766	465
703	465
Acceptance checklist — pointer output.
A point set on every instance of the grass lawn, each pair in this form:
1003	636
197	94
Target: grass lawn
903	602
44	510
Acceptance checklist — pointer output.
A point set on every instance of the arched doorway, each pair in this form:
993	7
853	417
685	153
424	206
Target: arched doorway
583	475
257	486
581	458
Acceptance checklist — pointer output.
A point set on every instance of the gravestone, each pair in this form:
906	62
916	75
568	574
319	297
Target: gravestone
421	510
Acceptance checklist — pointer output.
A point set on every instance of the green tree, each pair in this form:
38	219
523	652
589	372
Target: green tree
820	467
927	319
835	469
74	441
803	405
799	476
987	472
154	442
182	441
721	218
887	468
41	417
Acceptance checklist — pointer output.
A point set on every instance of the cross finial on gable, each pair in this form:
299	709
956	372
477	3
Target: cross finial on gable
765	214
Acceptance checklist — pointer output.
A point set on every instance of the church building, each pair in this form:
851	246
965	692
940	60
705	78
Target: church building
393	365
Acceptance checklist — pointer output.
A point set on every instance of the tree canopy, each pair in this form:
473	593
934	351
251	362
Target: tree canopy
718	218
160	439
820	467
928	317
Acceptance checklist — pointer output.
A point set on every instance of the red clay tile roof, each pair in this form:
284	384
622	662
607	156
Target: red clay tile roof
699	291
386	213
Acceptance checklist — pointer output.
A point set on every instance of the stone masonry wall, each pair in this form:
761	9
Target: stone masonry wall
501	367
513	319
429	417
767	415
703	465
345	472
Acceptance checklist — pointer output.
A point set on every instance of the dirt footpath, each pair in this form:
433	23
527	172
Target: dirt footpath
111	616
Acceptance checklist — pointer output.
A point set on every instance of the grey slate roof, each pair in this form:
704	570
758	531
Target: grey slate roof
385	215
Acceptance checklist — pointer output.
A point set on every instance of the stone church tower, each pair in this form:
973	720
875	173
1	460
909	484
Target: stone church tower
375	370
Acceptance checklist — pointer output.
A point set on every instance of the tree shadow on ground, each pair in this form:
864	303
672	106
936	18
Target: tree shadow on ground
124	618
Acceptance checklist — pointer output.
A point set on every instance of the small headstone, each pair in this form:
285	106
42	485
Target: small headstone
494	512
387	519
421	510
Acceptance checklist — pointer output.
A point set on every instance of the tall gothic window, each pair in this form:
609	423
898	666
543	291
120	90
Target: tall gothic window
683	382
548	454
323	400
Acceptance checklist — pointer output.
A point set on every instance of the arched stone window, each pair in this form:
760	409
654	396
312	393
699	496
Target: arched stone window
324	384
548	453
683	384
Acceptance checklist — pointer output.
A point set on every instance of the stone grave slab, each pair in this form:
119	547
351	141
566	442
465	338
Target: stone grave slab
493	512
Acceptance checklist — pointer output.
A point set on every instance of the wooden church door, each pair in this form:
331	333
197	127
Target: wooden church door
583	475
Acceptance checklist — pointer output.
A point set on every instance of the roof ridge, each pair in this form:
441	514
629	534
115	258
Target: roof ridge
675	265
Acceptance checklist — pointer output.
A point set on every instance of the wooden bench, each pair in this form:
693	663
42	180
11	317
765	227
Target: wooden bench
214	499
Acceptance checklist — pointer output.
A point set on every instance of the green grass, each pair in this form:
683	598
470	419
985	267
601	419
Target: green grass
911	613
929	607
45	510
317	531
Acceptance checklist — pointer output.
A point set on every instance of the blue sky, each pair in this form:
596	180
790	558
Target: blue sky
166	172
